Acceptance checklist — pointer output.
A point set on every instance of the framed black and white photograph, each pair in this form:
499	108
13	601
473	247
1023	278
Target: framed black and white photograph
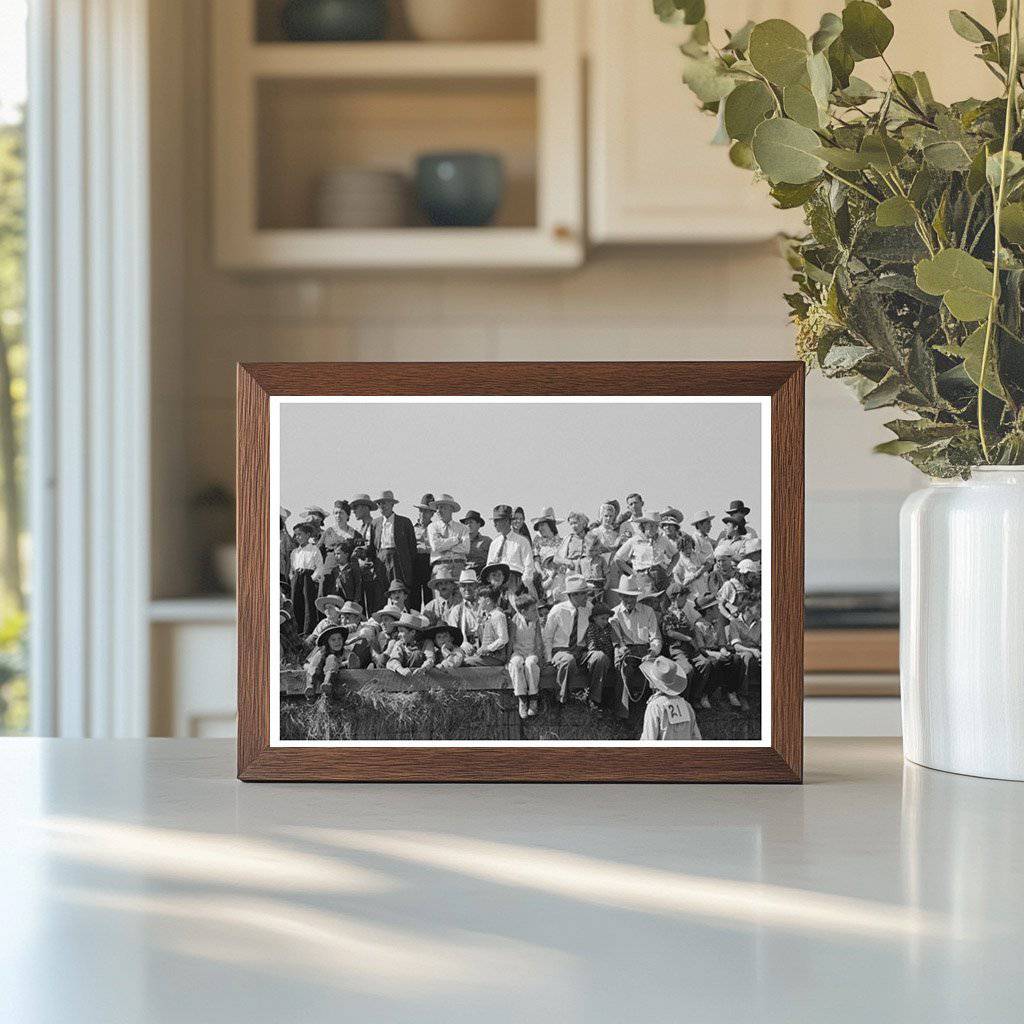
557	583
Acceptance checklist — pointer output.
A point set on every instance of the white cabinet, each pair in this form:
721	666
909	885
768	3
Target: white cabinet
286	114
653	176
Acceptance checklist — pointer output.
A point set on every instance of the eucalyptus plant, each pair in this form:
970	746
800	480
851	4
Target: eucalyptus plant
910	277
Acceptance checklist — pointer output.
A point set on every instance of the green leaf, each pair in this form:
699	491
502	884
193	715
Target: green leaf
947	156
787	196
739	41
840	61
707	78
829	29
745	108
741	155
779	51
971	352
866	29
963	281
882	151
1012	224
844	159
690	12
895	447
819	74
895	212
787	151
969	28
801	106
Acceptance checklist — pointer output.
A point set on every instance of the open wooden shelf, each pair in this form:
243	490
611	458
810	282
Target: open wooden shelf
286	114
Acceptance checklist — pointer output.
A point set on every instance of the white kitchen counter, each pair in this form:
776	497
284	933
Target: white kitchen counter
140	882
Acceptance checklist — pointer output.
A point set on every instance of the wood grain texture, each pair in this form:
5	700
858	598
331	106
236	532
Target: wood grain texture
782	761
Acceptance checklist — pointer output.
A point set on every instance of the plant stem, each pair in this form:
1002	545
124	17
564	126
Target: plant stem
1011	108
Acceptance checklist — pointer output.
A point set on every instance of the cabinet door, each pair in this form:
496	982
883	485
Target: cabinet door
654	177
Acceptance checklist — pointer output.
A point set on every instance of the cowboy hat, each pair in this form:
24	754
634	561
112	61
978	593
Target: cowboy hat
488	569
443	627
663	675
389	611
547	515
387	496
576	585
396	586
467	576
427	502
701	517
749	565
447	499
502	512
328	601
442	574
472	516
410	620
351	608
361	499
738	508
321	640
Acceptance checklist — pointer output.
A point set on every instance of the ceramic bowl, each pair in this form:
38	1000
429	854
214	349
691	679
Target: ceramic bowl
333	21
460	189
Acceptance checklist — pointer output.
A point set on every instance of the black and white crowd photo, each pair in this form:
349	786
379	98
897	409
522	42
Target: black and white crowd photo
470	570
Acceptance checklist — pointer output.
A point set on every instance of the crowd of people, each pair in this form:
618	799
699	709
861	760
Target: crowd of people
631	606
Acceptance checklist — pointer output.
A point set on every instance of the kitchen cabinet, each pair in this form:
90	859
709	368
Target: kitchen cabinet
287	114
654	177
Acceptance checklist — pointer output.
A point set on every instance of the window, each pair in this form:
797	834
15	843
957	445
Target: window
14	690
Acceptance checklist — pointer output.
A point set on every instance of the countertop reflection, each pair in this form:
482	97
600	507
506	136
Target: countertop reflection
140	882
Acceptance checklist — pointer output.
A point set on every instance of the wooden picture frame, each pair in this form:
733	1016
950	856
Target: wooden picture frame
779	760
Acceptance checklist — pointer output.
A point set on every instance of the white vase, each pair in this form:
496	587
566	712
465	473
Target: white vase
962	624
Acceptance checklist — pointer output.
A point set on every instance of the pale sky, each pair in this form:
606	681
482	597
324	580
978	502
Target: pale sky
568	455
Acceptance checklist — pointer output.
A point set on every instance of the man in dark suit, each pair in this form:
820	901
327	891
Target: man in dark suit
394	540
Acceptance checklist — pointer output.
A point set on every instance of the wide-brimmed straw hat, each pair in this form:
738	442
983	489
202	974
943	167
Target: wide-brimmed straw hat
701	517
576	585
427	502
351	608
488	569
443	627
663	675
361	499
472	516
547	515
738	508
442	574
410	620
468	575
328	601
386	496
322	639
447	499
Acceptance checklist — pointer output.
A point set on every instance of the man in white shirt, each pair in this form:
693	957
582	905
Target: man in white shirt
508	548
448	540
639	639
563	642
